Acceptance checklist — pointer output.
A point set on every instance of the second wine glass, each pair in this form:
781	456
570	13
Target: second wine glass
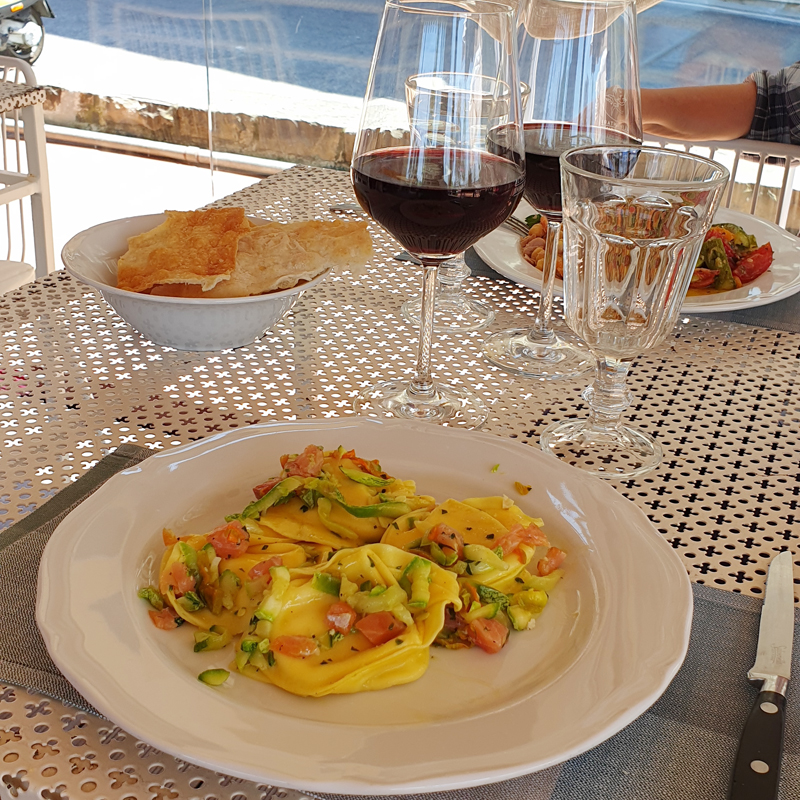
580	58
438	195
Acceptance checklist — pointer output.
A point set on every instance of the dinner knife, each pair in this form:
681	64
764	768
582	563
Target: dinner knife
758	761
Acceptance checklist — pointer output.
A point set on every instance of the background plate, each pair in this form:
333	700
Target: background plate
500	250
611	639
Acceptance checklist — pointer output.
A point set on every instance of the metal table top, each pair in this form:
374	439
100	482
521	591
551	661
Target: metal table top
76	381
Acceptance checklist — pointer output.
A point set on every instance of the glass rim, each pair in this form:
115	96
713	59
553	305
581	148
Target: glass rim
492	7
434	73
722	176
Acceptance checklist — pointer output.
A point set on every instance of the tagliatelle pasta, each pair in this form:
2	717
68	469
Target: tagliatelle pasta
339	577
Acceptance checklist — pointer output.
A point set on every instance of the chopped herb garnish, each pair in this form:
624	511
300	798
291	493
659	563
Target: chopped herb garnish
398	641
519	580
270	658
495	468
490	536
444	511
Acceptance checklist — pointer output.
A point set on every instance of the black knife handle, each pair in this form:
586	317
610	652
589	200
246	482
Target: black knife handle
758	761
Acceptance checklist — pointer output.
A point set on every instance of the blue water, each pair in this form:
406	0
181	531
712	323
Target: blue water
327	44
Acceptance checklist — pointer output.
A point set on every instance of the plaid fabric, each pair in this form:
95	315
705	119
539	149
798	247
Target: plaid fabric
777	115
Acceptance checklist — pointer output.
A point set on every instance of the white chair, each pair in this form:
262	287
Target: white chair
763	176
25	178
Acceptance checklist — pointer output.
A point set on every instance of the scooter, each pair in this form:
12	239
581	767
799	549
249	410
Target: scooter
21	29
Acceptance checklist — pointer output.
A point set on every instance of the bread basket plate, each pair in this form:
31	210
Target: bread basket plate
201	324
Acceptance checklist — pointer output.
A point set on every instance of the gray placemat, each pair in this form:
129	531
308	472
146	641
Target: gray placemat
681	749
784	315
24	659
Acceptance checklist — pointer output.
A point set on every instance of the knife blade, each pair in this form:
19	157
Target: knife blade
756	770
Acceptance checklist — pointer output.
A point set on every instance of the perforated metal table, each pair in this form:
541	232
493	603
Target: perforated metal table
76	381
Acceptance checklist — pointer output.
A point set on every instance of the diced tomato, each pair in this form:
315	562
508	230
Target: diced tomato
718	232
180	579
551	561
703	278
230	541
168	537
489	634
306	465
262	569
166	619
447	538
379	628
263	488
295	646
340	617
754	264
517	535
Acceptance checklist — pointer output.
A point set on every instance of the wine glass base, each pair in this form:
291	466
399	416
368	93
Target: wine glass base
611	453
565	356
451	314
449	405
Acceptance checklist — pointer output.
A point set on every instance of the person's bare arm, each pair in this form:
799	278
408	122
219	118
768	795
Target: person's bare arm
700	113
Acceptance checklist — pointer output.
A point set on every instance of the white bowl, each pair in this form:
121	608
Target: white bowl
182	323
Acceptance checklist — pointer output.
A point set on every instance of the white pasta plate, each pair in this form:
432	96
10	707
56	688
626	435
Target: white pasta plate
500	250
611	639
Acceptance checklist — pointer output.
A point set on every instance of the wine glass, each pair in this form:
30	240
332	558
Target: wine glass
580	58
437	195
454	310
635	220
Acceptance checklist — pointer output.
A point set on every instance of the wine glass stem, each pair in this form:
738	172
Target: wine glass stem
542	332
608	396
422	386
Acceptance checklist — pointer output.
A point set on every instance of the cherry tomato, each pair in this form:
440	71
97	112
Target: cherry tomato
379	628
340	617
703	278
754	264
180	579
263	488
306	465
517	535
551	561
489	634
166	619
262	569
295	646
230	541
447	538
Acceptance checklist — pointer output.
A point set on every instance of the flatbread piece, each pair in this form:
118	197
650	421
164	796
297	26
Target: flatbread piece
279	255
190	247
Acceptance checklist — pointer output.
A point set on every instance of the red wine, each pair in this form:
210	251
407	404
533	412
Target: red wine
409	192
544	143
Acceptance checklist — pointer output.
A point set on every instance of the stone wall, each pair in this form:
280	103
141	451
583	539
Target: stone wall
244	134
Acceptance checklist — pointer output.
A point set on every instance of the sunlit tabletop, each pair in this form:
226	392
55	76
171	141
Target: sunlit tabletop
76	381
